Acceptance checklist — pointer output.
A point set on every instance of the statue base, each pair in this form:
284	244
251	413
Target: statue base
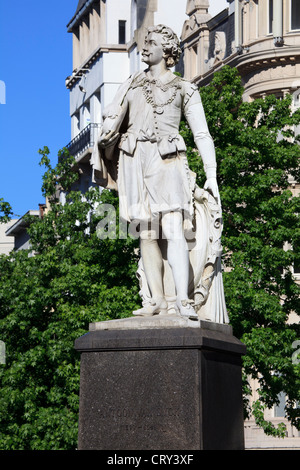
160	383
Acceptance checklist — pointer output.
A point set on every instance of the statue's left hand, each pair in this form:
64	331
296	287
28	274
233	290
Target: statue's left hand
108	139
109	134
211	186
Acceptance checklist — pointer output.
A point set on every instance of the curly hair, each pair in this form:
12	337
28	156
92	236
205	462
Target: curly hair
170	43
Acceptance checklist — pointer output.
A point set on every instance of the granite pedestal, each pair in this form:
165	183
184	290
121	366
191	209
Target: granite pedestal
160	384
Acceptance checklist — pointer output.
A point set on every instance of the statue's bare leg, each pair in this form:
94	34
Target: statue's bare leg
153	267
178	259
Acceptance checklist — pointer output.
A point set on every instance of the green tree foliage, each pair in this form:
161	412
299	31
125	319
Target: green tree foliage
5	211
257	156
48	297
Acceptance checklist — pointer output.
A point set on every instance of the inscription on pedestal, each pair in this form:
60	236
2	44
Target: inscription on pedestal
167	421
143	420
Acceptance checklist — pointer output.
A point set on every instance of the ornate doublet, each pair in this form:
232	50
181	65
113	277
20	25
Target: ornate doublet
153	173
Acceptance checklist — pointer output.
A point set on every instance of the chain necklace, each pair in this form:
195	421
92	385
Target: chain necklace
158	108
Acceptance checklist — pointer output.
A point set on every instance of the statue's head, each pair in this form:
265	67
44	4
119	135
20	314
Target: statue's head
170	44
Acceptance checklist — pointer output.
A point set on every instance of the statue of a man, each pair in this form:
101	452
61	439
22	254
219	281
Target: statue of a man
155	185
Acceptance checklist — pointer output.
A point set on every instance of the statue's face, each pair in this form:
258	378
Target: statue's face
153	51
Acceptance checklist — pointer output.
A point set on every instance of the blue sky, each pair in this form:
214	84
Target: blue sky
35	59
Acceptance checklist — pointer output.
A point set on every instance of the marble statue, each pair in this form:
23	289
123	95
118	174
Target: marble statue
140	153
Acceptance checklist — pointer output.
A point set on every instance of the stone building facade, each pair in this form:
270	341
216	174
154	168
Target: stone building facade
259	37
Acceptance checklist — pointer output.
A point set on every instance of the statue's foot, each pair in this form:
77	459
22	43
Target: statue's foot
186	310
158	306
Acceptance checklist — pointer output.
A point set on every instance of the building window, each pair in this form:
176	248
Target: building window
97	107
75	124
295	14
270	16
279	410
86	114
122	32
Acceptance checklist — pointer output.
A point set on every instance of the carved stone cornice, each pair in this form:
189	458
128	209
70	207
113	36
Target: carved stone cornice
250	62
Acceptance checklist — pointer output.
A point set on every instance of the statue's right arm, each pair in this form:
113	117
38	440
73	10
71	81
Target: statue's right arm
113	115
